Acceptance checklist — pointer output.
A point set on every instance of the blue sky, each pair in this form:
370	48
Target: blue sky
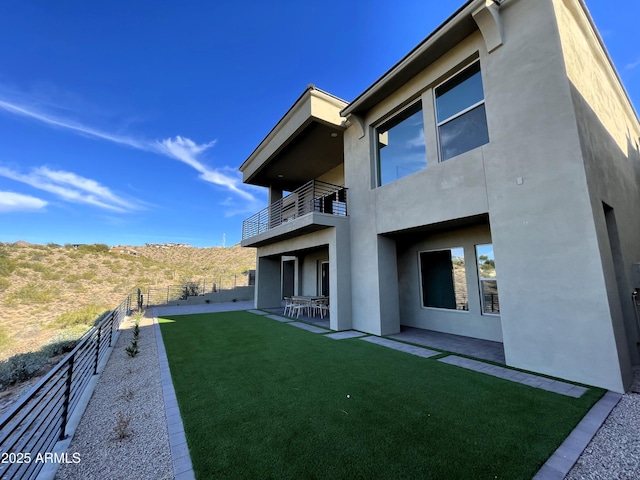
125	122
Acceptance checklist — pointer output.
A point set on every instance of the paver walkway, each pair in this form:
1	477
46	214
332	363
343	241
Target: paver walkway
473	347
529	379
402	347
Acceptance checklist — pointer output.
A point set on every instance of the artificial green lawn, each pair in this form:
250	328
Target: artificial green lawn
262	399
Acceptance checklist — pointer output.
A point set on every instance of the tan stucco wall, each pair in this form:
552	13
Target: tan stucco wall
469	323
608	129
530	179
334	176
334	245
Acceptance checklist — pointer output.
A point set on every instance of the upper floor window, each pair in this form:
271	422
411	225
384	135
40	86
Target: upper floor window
400	145
461	117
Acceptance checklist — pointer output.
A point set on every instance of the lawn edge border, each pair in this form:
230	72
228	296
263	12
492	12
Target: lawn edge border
182	466
566	455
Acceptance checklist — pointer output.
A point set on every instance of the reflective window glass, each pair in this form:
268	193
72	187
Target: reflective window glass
464	133
459	93
443	277
488	283
461	115
401	146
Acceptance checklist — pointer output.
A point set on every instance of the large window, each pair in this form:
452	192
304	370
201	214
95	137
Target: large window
488	281
444	282
400	145
461	117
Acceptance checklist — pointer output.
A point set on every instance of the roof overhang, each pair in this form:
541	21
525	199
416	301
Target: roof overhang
304	144
451	32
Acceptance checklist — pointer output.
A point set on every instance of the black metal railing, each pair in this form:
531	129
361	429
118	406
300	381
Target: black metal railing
172	293
313	196
31	428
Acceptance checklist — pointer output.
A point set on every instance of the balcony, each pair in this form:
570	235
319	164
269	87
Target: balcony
314	196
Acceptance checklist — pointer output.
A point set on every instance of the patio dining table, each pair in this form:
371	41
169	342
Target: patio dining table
308	301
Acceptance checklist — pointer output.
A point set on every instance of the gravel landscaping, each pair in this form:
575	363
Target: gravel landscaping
615	450
123	432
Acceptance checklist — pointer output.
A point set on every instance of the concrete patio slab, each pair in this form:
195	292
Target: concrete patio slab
474	347
346	334
308	328
402	347
524	378
279	318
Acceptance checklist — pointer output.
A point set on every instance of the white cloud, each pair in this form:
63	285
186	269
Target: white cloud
71	187
80	129
417	141
187	151
178	148
633	65
16	202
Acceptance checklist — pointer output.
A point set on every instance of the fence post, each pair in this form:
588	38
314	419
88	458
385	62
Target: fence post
167	294
113	318
67	397
95	366
234	280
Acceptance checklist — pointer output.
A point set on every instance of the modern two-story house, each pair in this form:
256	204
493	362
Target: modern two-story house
487	185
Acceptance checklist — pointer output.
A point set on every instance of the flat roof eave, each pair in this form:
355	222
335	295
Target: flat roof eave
452	31
314	105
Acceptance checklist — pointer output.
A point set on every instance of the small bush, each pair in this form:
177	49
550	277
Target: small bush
50	275
94	248
5	338
121	429
30	293
132	350
191	289
21	367
127	394
4	284
7	266
35	266
88	275
63	342
87	315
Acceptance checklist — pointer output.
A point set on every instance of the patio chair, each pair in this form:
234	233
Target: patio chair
300	305
288	307
321	306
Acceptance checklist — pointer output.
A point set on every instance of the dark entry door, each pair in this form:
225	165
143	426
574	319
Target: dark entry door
288	278
324	279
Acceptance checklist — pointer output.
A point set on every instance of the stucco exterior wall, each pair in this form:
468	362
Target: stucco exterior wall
309	271
459	322
334	176
530	179
332	243
555	313
608	130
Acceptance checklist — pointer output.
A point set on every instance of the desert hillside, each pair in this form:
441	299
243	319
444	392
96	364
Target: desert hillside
46	289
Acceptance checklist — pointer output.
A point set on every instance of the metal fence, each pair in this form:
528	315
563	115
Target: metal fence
37	421
313	196
171	293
